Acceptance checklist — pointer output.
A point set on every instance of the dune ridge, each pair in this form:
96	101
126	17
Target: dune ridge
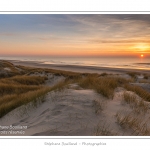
68	103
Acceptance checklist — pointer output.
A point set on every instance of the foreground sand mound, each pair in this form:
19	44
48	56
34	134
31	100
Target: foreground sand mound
75	111
67	112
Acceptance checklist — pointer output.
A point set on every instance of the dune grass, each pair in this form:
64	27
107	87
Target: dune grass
13	71
24	79
19	90
29	80
139	91
144	81
15	88
129	121
103	130
139	106
6	64
103	85
104	74
20	84
129	98
10	102
133	74
146	76
32	70
126	120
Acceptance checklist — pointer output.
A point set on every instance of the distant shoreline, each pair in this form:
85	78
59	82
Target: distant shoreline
77	68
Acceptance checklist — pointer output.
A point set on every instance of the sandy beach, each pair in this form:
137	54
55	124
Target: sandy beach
77	68
112	102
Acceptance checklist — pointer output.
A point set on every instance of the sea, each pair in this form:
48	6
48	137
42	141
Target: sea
112	62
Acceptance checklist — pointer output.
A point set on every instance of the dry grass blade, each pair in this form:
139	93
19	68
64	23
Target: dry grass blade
15	88
103	130
131	122
139	91
26	80
11	102
129	98
133	74
127	120
144	81
146	76
139	106
103	85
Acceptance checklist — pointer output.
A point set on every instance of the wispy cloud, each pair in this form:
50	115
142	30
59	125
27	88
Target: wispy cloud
99	32
120	41
8	34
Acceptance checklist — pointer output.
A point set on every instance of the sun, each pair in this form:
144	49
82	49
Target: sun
142	55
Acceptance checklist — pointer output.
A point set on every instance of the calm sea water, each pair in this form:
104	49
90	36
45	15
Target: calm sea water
115	62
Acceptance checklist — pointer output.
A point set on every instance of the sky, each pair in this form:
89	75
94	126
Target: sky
75	35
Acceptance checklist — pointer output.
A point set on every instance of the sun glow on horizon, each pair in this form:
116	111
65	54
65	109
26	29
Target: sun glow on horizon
142	47
71	35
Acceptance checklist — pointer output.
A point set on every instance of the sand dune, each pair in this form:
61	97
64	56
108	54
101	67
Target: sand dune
75	111
72	112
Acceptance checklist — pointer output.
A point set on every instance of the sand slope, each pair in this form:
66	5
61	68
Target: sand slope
71	112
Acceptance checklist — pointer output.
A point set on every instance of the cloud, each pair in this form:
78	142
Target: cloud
120	41
8	34
47	38
113	25
78	31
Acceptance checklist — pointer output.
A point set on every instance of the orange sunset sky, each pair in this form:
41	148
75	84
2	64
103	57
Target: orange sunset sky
75	35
